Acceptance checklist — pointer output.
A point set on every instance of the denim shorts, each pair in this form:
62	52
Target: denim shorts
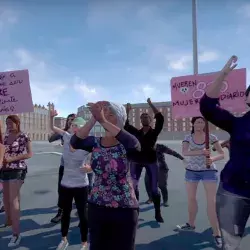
13	175
206	175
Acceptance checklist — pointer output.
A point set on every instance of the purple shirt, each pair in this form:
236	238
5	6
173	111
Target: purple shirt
113	184
235	177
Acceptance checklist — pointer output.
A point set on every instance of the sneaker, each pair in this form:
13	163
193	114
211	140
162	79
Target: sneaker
63	245
218	241
185	227
165	204
57	218
4	227
84	247
14	241
149	201
158	217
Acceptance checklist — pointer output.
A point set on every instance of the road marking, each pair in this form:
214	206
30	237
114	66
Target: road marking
52	153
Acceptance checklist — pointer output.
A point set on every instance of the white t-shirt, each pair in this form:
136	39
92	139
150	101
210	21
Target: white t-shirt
198	163
73	176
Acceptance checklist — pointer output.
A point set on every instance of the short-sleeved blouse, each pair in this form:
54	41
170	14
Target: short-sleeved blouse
198	163
18	147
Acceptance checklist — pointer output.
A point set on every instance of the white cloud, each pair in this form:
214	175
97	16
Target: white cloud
144	91
7	17
184	62
45	86
90	93
244	10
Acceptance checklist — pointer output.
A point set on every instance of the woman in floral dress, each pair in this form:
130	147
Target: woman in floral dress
17	150
113	207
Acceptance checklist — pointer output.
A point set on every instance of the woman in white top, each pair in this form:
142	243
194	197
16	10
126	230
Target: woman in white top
200	167
74	184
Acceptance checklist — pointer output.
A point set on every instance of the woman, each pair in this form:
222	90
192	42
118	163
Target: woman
197	170
233	195
74	183
17	151
53	138
113	207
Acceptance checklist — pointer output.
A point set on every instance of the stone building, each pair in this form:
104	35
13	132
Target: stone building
35	124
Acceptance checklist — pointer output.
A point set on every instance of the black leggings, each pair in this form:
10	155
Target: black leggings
80	195
112	228
60	176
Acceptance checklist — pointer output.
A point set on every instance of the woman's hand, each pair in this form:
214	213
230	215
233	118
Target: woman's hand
230	65
97	111
209	161
53	113
8	160
86	168
206	152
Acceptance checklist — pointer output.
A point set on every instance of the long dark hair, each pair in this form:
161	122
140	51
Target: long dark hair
67	121
194	119
15	119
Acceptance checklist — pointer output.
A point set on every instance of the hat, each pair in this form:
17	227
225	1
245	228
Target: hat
79	121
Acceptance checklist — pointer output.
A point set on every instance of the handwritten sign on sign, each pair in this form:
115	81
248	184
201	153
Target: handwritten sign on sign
15	93
186	92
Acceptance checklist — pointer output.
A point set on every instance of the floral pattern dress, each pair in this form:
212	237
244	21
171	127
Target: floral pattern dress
18	147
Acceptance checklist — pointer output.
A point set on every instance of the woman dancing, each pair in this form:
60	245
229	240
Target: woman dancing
52	138
233	195
197	170
74	183
113	207
17	150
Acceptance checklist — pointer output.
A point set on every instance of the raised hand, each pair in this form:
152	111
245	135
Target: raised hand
128	108
230	65
53	113
97	111
149	101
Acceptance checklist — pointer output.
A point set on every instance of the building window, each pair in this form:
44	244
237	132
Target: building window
169	129
175	129
169	124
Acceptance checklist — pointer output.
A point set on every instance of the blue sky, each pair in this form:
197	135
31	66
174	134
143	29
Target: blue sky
125	51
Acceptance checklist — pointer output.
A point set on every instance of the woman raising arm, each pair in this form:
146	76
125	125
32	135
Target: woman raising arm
113	206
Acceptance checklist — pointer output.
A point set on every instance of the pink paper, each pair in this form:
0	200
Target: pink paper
15	93
186	92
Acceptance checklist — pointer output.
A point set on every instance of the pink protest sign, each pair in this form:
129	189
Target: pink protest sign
15	93
186	92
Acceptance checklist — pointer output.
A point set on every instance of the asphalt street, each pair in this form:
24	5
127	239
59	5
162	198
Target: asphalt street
39	198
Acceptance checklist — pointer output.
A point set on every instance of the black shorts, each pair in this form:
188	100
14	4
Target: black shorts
13	174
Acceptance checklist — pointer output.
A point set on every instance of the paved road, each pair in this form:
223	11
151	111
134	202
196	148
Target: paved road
39	198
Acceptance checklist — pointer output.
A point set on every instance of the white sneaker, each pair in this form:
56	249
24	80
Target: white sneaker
63	245
84	247
14	241
4	227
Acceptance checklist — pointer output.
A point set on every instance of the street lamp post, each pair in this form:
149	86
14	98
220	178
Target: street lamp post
195	43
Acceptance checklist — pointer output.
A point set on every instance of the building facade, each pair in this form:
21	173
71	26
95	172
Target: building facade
35	124
60	122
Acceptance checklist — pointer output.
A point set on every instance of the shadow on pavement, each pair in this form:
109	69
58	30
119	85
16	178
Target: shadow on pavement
183	241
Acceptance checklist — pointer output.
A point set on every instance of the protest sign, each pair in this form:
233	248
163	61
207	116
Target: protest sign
186	92
15	93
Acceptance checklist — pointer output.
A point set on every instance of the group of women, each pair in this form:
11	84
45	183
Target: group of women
113	206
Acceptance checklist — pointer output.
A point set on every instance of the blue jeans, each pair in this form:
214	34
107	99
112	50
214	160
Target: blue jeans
233	212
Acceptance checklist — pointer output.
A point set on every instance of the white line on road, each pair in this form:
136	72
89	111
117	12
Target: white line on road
53	153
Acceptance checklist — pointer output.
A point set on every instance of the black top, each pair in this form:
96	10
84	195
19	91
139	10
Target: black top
161	150
235	176
148	140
